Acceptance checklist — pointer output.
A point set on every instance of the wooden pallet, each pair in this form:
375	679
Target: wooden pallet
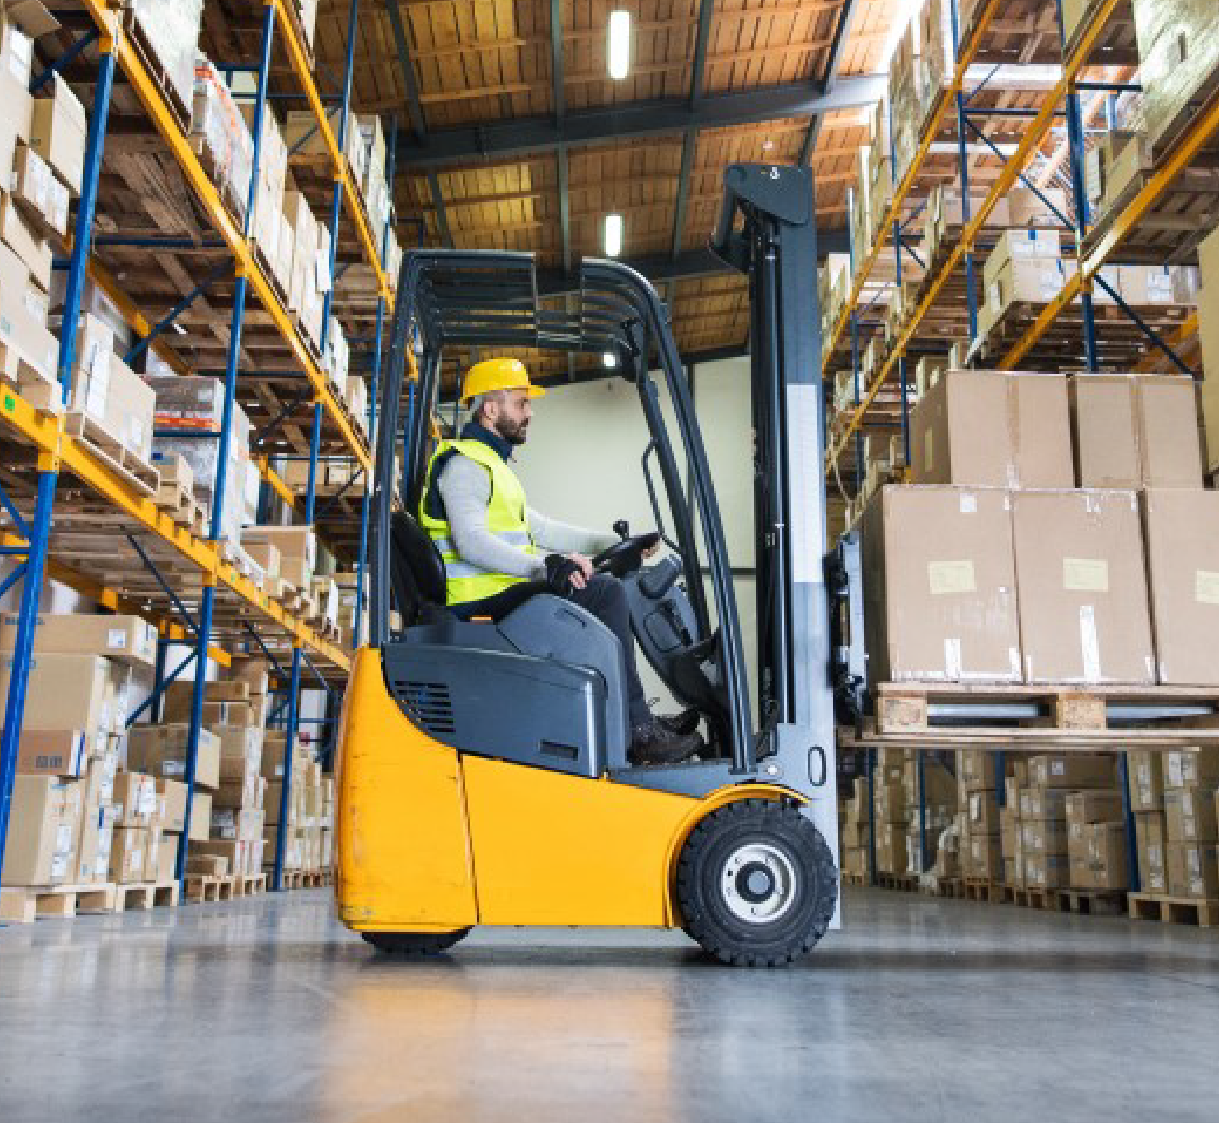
22	904
141	475
202	887
1167	909
983	889
139	895
1086	902
943	886
269	274
903	882
165	894
247	885
846	877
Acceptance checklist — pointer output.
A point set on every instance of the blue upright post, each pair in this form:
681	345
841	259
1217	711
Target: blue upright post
1132	848
285	790
158	684
48	473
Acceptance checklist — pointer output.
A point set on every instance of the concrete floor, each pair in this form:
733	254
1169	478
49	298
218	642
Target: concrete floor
919	1010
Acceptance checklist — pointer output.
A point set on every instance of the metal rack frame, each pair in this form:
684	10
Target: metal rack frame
56	449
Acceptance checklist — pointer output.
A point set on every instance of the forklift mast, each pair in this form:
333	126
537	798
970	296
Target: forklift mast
776	248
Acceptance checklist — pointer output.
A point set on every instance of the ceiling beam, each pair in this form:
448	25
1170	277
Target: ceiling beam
442	218
414	105
842	32
635	119
690	138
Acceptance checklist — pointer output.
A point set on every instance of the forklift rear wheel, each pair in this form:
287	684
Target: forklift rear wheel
416	944
756	884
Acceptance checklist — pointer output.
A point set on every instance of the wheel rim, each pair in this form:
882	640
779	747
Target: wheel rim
758	883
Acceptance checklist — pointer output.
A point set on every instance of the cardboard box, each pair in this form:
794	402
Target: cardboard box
985	857
57	133
1102	805
1191	768
1181	536
93	851
1193	869
890	803
171	796
234	851
939	588
1072	770
1044	836
1135	430
135	799
167	861
1151	837
1106	865
240	751
1178	44
1146	779
255	673
200	816
229	824
129	639
297	547
1047	871
130	406
128	855
160	750
38	849
1190	815
54	752
1082	587
39	193
983	813
67	691
993	429
25	241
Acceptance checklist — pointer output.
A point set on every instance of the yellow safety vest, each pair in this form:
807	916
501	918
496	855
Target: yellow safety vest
506	519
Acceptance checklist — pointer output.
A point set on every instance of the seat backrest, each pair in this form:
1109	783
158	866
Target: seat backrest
417	569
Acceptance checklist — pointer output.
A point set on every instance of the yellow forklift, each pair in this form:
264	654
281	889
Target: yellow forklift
483	775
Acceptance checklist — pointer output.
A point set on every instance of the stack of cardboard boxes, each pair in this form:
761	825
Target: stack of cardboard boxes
221	138
287	553
309	832
855	822
76	818
1191	807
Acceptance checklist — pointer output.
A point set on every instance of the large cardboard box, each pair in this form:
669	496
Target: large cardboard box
1071	770
1190	815
67	691
1044	836
160	750
1082	587
1193	869
297	547
1151	836
171	811
939	585
1181	535
1191	768
54	752
1106	865
129	639
1178	43
236	851
1146	779
135	799
93	851
1047	871
130	405
1134	430
128	855
240	751
1208	340
167	861
1101	805
38	849
200	816
57	133
228	824
983	813
993	429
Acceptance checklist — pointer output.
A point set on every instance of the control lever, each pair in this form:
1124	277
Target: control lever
622	528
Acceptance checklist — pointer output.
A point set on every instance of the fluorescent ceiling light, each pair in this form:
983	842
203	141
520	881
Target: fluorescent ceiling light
613	235
609	359
619	44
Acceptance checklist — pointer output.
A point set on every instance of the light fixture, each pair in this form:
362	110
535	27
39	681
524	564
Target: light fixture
619	44
609	359
613	235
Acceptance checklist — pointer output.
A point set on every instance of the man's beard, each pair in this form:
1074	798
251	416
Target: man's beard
512	431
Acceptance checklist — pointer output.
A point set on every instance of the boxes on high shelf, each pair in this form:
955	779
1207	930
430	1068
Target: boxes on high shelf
39	193
1190	814
56	752
940	588
160	750
221	137
1042	244
297	547
993	429
33	250
1181	534
1159	285
264	555
304	137
1151	837
179	696
57	133
272	180
1022	280
1135	430
1178	45
1082	587
337	357
38	850
85	692
1184	768
169	29
128	639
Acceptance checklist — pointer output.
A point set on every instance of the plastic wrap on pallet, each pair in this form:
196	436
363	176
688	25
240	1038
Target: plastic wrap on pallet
171	29
219	128
196	403
202	454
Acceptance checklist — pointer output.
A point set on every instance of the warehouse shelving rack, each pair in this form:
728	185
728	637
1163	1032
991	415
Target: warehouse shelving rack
190	588
1117	237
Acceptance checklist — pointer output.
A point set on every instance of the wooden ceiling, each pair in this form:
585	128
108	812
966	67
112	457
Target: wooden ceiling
487	62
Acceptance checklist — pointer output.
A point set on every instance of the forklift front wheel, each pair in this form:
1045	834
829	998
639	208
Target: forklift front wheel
756	884
416	944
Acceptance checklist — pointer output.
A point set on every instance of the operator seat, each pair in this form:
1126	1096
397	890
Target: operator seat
542	683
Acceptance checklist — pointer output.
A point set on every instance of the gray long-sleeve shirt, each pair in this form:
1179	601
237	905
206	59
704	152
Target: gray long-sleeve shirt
465	487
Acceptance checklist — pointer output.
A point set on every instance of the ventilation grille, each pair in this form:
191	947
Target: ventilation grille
427	704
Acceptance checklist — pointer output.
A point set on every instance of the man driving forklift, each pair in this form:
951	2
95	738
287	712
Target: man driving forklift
473	507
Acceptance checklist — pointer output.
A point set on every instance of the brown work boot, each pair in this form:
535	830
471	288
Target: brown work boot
652	743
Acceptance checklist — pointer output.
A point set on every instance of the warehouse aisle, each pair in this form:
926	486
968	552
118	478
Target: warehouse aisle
267	1010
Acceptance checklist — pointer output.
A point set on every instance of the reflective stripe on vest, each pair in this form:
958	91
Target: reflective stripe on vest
506	519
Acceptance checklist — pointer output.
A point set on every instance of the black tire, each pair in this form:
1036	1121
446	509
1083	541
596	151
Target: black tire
790	917
415	945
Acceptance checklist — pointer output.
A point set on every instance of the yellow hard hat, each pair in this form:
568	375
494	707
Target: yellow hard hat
497	374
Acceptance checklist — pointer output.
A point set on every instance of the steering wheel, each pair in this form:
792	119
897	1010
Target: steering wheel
626	556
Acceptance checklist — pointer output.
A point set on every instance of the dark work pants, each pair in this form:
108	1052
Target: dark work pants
605	598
